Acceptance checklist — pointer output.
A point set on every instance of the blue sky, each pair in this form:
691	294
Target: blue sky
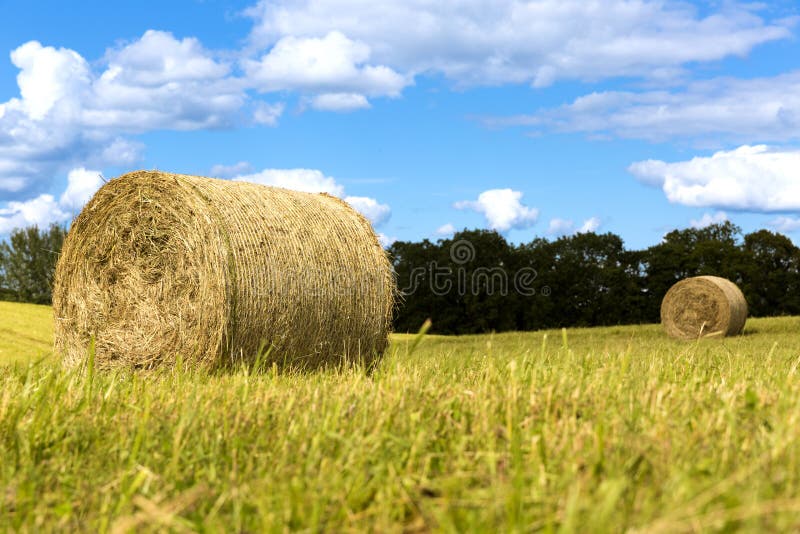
535	118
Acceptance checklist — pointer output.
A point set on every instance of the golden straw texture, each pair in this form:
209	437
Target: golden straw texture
159	266
703	306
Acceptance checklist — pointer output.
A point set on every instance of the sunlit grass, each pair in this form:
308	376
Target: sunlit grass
26	331
590	429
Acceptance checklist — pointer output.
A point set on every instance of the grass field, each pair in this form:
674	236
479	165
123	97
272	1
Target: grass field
26	332
608	429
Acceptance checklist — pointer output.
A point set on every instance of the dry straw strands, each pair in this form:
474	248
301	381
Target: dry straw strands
159	266
703	306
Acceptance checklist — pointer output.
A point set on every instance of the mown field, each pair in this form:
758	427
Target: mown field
612	429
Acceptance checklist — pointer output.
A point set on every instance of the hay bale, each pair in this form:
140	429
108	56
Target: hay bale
703	306
159	265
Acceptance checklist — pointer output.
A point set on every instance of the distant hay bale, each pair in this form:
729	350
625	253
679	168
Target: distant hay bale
703	306
159	266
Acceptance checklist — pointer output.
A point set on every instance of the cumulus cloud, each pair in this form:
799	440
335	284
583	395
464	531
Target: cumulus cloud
502	209
39	131
70	111
39	211
708	219
562	227
314	181
307	180
158	58
81	185
446	230
120	152
161	82
786	225
229	171
48	76
591	224
332	66
385	240
268	114
749	178
710	111
67	113
339	55
493	42
44	210
339	102
371	209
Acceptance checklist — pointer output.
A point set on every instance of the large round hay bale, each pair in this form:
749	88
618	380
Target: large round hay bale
703	306
159	266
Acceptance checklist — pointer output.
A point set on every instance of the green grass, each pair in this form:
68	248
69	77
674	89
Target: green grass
26	331
608	429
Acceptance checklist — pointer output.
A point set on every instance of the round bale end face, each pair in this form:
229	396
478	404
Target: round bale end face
703	306
159	266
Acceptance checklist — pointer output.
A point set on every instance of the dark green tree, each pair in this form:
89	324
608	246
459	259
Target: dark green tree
411	263
713	250
463	283
27	263
481	294
467	284
771	274
591	284
535	262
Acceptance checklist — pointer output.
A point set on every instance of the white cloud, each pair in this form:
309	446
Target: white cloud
81	185
44	210
160	82
39	131
446	230
72	112
502	209
339	102
708	111
157	59
591	224
708	219
332	66
119	152
340	54
67	114
307	180
371	209
385	240
314	181
750	178
268	114
563	227
229	171
560	227
48	76
492	42
786	225
39	211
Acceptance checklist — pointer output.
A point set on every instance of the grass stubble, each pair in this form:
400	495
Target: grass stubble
608	430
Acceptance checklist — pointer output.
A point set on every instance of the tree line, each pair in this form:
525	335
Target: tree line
27	263
478	282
